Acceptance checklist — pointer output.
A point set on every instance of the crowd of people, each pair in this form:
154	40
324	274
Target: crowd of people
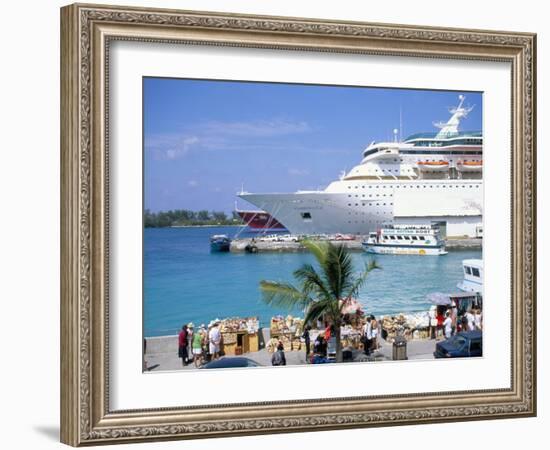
320	351
447	323
200	346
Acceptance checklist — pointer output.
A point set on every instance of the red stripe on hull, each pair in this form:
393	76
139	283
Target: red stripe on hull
260	219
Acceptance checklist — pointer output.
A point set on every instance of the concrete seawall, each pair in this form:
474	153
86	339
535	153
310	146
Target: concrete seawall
240	245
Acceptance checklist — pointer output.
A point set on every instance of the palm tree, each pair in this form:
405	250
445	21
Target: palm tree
321	293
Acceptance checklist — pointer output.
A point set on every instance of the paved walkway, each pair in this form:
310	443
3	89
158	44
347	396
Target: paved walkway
162	354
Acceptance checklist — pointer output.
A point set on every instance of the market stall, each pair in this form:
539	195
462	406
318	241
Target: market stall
287	330
240	335
410	326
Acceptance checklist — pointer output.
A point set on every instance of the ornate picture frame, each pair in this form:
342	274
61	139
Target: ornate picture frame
86	34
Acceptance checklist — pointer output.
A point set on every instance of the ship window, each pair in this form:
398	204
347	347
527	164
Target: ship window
467	270
399	237
475	272
407	238
305	215
414	238
392	237
421	238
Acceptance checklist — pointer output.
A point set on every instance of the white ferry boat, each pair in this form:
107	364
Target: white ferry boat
425	178
473	276
406	240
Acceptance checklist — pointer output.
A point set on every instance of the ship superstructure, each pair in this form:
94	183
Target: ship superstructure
427	178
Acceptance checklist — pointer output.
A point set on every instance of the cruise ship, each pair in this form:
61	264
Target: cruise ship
428	178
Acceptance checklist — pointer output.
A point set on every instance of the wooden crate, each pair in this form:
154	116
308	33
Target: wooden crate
253	342
230	349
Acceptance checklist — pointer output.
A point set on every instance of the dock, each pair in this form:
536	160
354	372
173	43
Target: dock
240	245
260	246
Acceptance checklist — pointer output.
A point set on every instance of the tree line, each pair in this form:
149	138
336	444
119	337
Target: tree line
185	217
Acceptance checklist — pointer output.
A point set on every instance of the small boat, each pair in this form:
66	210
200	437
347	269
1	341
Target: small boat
469	166
220	243
406	240
344	237
473	276
433	166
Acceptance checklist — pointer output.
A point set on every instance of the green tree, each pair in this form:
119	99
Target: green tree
324	292
219	216
203	215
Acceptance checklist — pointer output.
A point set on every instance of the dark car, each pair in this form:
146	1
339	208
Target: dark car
231	363
462	345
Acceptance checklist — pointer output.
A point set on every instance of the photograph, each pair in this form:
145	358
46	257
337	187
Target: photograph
291	224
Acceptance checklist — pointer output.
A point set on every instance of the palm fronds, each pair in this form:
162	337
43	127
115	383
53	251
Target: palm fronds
283	295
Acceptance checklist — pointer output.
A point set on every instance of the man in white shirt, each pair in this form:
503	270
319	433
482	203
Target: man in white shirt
448	325
367	336
214	339
471	320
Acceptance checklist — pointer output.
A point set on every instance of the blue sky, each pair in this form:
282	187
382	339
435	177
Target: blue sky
203	140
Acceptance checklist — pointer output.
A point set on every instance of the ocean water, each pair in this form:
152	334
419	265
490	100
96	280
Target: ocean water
184	282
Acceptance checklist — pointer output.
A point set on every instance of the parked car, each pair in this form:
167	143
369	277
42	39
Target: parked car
228	362
462	345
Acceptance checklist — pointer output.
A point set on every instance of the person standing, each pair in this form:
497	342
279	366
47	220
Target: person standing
478	319
448	325
278	358
182	345
196	347
327	331
190	334
470	320
214	339
307	340
367	336
374	332
454	316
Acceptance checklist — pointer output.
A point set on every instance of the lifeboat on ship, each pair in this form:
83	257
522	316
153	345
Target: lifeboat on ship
469	166
433	166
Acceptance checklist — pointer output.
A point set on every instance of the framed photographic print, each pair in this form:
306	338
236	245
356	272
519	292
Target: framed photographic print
312	224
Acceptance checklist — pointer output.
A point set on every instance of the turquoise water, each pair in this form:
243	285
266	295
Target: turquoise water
184	282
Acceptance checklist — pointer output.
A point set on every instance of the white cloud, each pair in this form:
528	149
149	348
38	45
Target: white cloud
170	146
258	128
192	183
228	136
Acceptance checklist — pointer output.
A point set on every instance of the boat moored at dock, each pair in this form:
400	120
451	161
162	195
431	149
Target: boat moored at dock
405	240
473	276
220	243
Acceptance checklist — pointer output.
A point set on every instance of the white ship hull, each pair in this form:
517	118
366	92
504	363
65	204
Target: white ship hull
395	250
365	206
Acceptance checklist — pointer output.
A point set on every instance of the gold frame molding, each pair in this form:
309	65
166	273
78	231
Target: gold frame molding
86	31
